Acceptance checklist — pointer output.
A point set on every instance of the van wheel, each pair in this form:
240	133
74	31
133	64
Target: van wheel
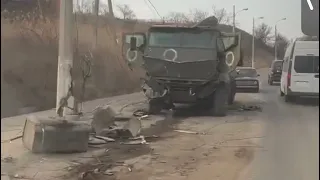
288	98
281	93
271	82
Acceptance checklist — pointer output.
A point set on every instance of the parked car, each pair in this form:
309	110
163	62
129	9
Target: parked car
247	79
275	71
300	72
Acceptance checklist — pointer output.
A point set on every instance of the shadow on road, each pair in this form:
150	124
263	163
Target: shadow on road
306	101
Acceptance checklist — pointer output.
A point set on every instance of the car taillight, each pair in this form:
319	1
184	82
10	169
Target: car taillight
289	79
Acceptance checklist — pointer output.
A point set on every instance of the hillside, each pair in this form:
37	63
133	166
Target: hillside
29	62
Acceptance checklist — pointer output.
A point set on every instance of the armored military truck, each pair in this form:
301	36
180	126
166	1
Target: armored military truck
186	65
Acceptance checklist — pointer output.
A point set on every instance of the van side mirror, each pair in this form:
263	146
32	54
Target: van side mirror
133	43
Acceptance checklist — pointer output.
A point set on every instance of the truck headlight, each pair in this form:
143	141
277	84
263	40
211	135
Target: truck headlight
255	82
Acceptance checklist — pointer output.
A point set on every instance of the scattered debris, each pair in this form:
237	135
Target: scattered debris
96	141
108	172
140	113
145	137
8	159
107	139
130	129
103	118
96	171
250	108
83	175
136	141
188	132
134	126
122	117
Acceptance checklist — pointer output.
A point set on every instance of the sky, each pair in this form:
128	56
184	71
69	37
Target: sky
271	10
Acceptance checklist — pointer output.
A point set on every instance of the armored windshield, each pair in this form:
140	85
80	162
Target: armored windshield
182	37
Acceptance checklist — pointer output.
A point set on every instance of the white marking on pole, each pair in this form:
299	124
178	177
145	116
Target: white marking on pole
310	4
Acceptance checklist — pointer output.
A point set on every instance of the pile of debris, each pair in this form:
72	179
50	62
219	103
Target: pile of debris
71	134
109	126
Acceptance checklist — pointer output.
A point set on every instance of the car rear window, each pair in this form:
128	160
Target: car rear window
306	64
277	65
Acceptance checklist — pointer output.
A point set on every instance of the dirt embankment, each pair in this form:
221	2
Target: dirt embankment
29	57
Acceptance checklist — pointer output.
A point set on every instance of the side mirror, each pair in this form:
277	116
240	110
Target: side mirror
133	43
258	75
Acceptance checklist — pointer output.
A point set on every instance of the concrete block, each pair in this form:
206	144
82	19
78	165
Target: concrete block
55	135
103	118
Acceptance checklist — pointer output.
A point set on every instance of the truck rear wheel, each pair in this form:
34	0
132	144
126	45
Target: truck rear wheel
220	101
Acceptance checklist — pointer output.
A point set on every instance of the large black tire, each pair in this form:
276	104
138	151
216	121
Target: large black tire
288	98
231	98
232	93
155	106
281	93
220	101
271	82
257	90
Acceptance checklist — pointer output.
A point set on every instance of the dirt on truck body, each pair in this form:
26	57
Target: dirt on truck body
186	65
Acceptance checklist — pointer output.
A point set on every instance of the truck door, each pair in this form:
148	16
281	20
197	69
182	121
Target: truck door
133	58
232	42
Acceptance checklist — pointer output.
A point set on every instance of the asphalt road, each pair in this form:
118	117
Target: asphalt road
291	139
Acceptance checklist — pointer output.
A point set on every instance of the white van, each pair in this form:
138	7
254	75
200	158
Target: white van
300	72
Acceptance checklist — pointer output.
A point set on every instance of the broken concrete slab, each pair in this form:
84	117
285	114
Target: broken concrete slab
55	135
134	126
103	118
123	117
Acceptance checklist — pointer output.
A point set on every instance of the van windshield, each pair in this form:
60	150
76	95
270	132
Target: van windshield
306	64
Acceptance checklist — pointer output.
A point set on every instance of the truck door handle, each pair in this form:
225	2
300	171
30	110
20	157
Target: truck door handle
316	76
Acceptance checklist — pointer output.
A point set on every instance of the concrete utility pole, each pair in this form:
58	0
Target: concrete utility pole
253	39
65	59
275	39
110	8
234	17
95	31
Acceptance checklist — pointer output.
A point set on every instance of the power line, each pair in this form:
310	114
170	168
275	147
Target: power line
155	9
151	9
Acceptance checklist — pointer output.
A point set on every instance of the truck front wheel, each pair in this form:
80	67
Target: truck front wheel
220	101
155	106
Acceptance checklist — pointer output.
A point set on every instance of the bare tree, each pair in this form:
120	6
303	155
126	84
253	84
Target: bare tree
282	43
126	11
263	33
197	15
222	15
177	17
104	9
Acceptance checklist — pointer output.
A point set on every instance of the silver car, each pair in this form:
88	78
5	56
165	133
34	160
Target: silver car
247	79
